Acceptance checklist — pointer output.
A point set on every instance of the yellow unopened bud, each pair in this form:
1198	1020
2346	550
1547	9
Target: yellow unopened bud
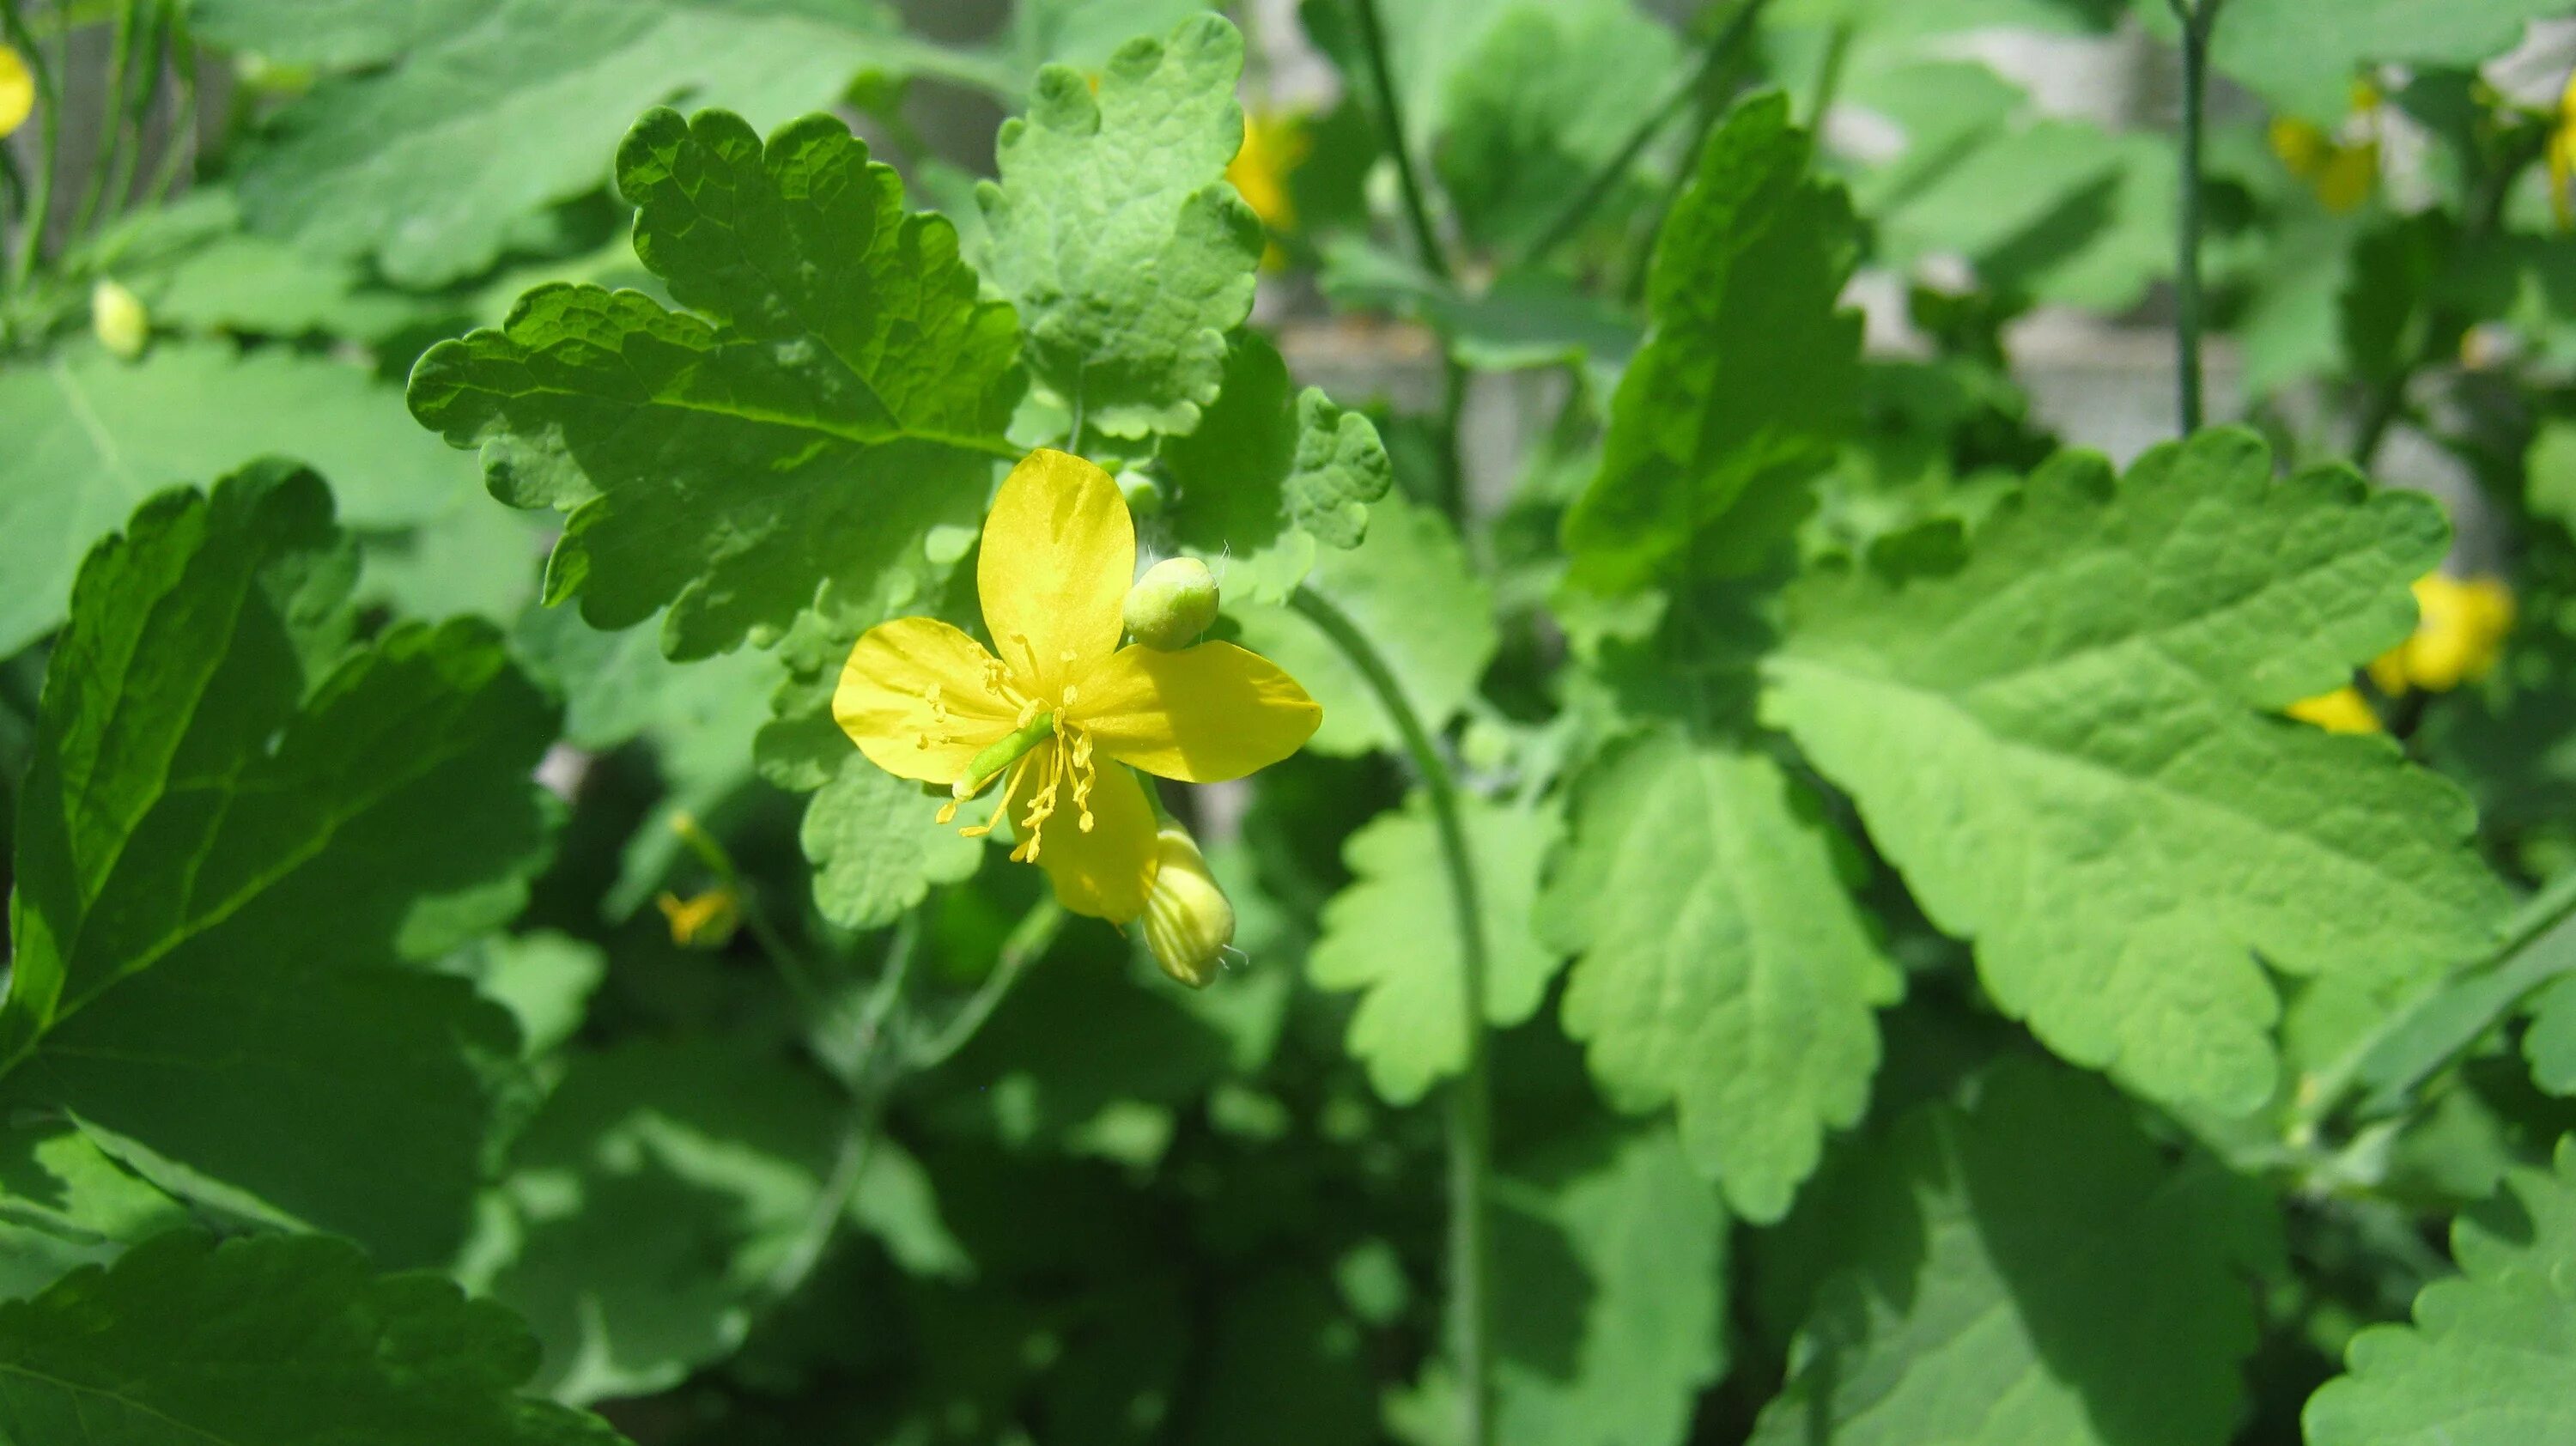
117	316
17	91
1188	919
2342	711
704	922
1172	603
2459	633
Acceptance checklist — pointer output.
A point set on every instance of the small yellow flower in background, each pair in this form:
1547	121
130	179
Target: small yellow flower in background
2342	711
17	91
703	922
117	318
2459	633
1189	922
1273	145
2562	154
2341	172
1064	712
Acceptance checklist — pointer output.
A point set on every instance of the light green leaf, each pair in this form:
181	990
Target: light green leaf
1264	478
2029	1268
2486	1360
1410	588
227	846
896	1202
2550	1043
1114	230
1724	967
877	845
283	1342
792	452
2058	742
1621	1360
545	979
1745	387
1085	33
2303	57
1549	95
85	437
651	1200
491	110
2054	210
1394	933
64	1204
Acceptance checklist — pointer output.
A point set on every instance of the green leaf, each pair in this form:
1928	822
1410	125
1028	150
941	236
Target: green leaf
1266	477
2550	1043
1411	589
2486	1360
2054	211
2057	741
227	846
649	1204
2028	1268
877	845
64	1204
1745	387
842	394
85	437
1724	968
1393	932
1546	100
2303	58
1114	230
1621	1359
283	1342
492	110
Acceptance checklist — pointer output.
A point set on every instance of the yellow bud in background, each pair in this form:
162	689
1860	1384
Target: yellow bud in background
2342	711
118	318
2459	634
704	922
1171	604
1188	919
2562	154
17	91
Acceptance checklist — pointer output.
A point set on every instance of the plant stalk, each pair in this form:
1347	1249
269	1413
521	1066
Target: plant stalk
49	128
1390	117
2199	18
1471	1123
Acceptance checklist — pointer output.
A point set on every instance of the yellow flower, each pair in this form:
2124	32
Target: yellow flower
2341	172
17	91
2342	711
1273	145
704	922
2459	632
2562	153
1064	711
1189	922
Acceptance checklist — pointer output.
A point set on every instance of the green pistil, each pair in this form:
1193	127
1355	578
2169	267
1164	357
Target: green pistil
1005	753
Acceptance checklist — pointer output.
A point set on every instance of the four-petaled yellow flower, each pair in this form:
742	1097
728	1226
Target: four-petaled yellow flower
2340	171
17	91
1273	145
1063	711
705	921
2459	632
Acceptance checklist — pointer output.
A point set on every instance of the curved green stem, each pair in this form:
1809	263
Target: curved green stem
1390	116
1471	1123
2198	18
1028	941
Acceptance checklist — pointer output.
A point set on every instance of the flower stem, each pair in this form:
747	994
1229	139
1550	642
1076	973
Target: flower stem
1471	1121
1028	941
1390	118
2198	18
40	197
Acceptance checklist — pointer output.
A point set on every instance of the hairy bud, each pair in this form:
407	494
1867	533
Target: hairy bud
1188	919
1172	603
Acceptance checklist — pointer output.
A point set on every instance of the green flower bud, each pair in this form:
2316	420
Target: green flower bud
117	315
1171	604
1188	919
1144	495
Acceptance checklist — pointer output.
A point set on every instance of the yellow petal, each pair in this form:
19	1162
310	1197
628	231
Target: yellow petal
1201	715
915	697
2342	711
17	90
1059	553
1106	872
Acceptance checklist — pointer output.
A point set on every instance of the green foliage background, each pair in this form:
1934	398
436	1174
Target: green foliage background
1909	980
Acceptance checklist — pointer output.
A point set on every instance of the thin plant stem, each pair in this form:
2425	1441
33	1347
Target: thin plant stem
40	197
1471	1122
1390	118
180	151
2199	18
1028	941
111	118
1720	53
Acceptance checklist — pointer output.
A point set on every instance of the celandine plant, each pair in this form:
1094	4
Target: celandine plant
586	705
